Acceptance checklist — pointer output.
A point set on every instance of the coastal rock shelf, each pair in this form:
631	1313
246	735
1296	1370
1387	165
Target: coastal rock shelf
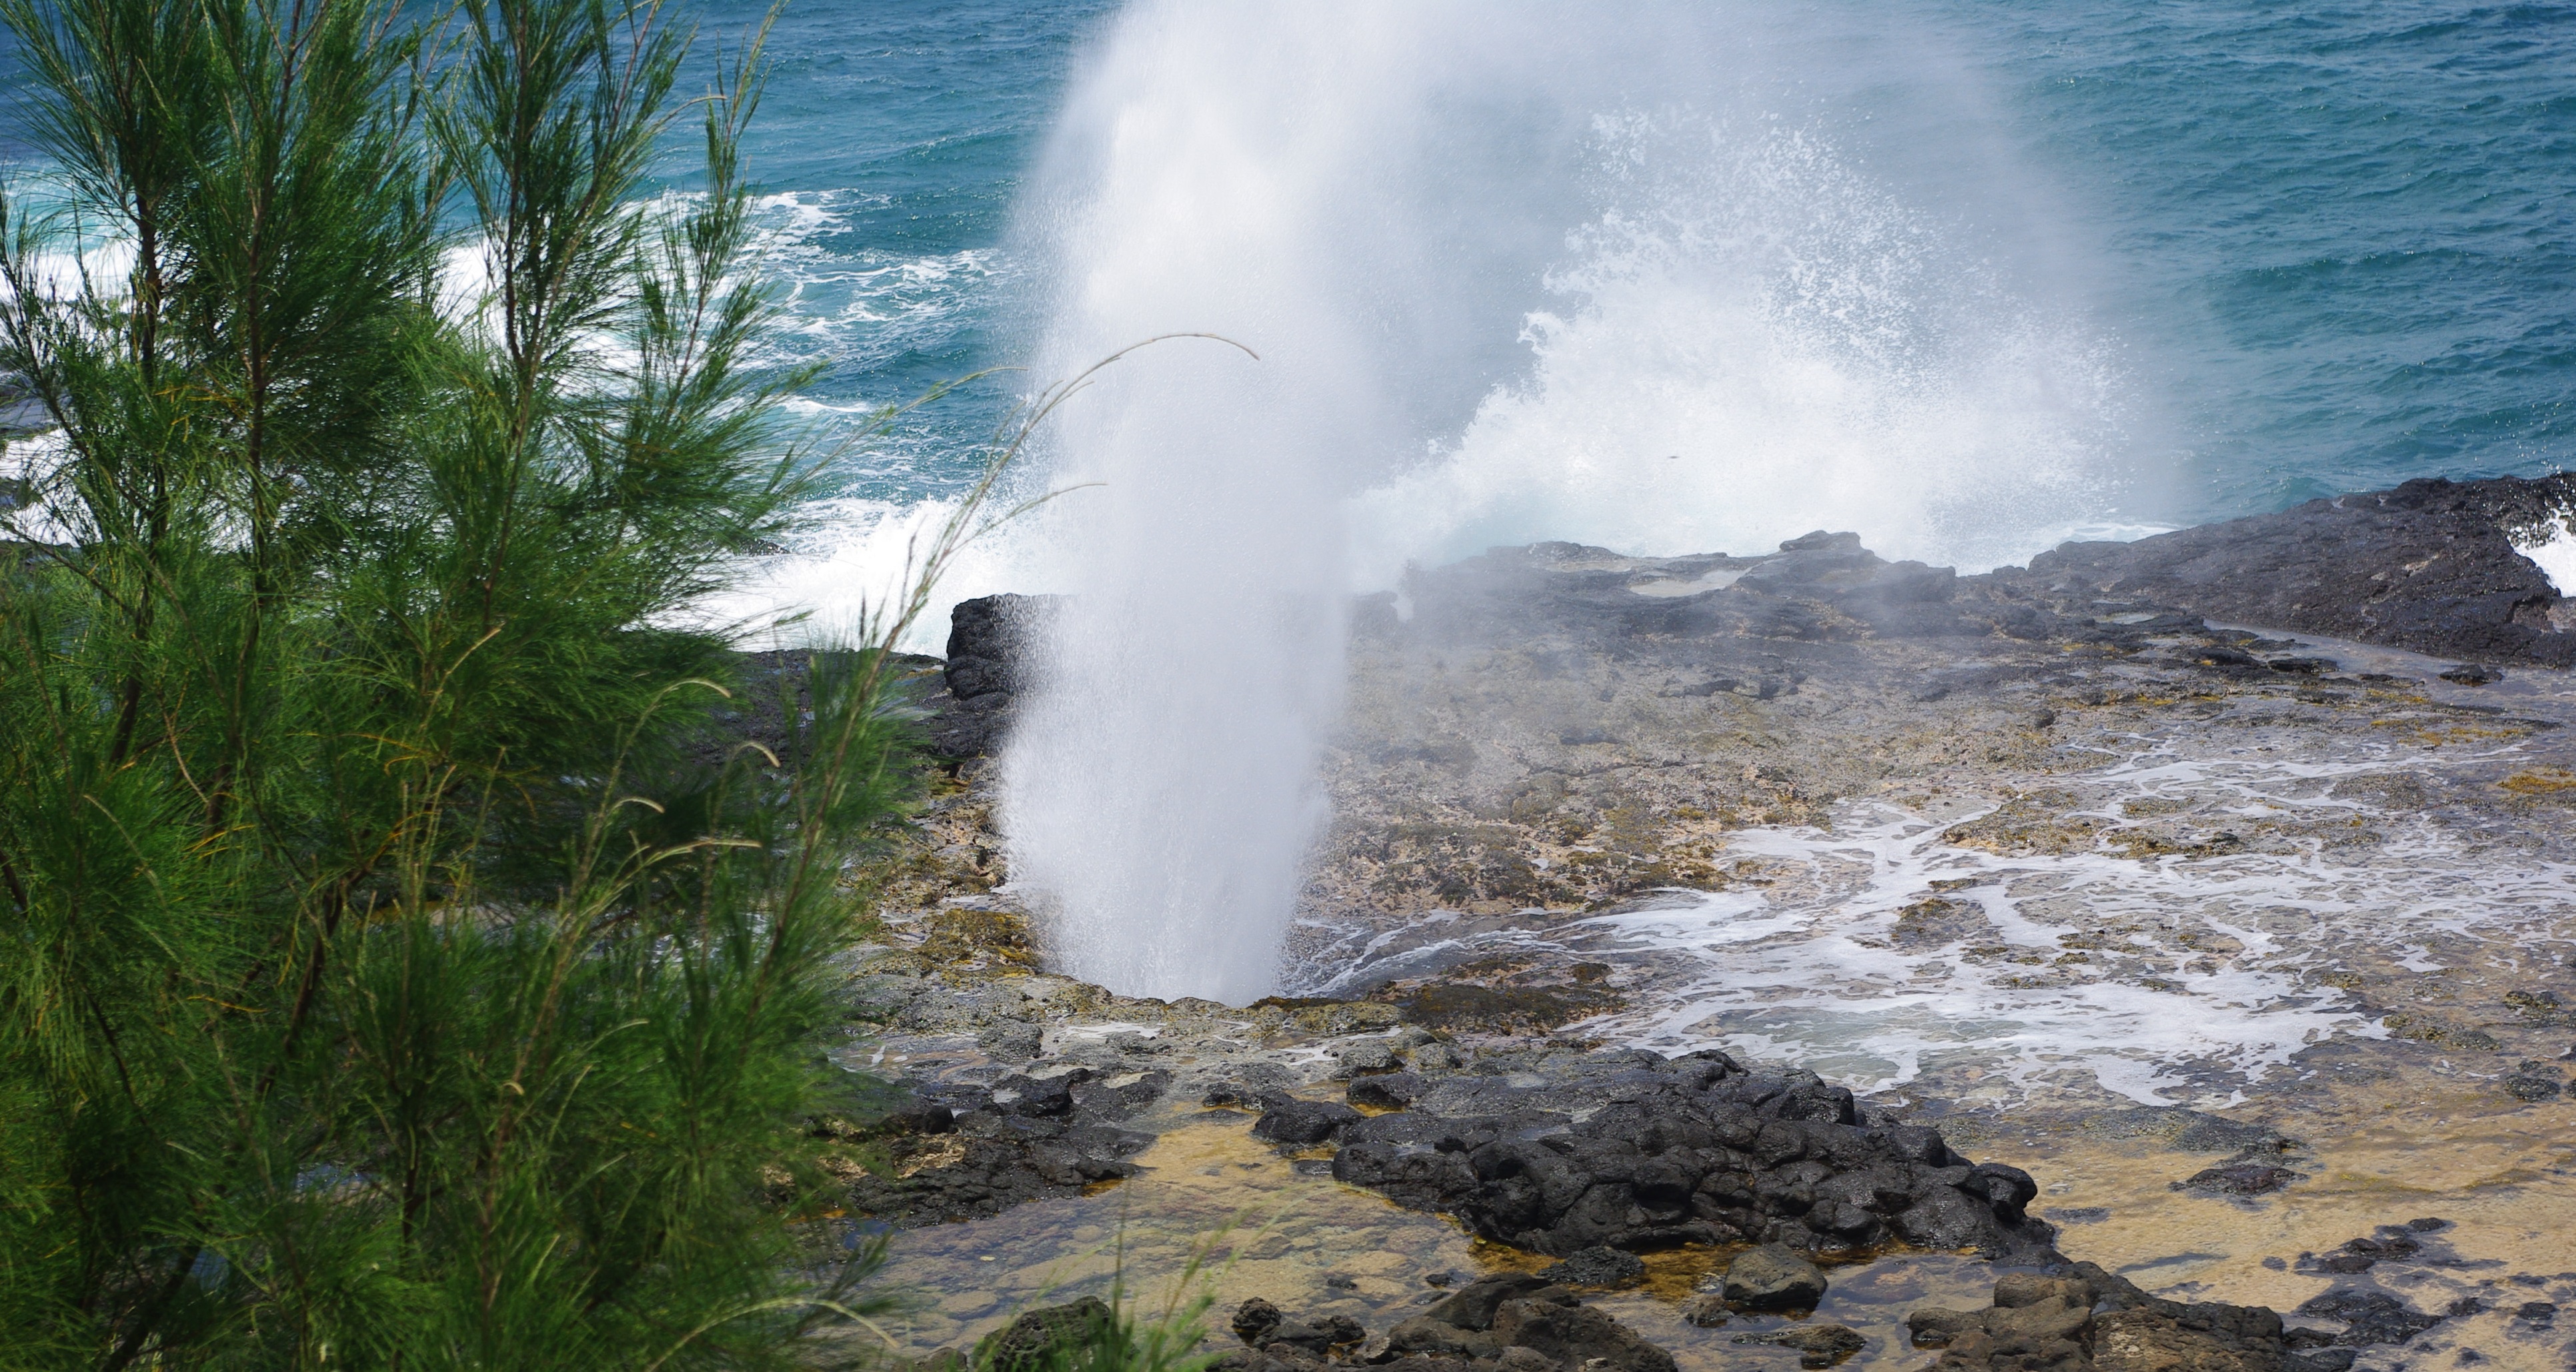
2432	566
1628	1150
1974	924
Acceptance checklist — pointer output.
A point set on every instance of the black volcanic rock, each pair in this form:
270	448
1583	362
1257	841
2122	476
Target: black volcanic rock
2079	1318
1773	1278
2429	567
990	642
1633	1151
1301	1122
1604	1267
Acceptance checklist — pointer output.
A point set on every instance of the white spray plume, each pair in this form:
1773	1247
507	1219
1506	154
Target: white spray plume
1593	272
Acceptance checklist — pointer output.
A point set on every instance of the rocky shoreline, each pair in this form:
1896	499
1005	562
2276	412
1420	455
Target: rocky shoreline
1556	735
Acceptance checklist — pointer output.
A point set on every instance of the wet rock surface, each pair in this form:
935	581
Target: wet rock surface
2086	1318
1597	1267
990	644
2430	566
1517	1322
1633	1151
1772	1278
958	1151
1046	1338
1818	1345
1558	734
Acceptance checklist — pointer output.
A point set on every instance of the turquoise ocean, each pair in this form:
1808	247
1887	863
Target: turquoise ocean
2272	252
2336	244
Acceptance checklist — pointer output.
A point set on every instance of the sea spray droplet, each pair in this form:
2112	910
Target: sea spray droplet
1501	265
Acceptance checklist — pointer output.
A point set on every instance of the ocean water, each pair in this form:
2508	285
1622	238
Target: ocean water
2267	253
1967	276
2297	250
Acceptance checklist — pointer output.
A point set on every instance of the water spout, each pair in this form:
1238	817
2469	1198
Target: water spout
1615	274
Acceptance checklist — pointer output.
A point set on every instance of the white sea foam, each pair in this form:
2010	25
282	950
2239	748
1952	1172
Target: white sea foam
1754	341
2556	558
2200	978
860	558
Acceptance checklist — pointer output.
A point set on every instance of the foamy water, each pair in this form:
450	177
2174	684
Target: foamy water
2556	558
2186	977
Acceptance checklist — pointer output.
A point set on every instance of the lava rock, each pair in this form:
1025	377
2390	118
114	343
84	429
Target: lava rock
1254	1319
2534	1081
989	646
1633	1151
1773	1278
988	1163
1302	1122
1393	1091
2239	1179
2080	1318
1100	1101
1363	1057
1472	1306
1707	1310
1602	1267
1011	1041
1317	1338
1045	1338
1548	1322
2429	566
2369	1317
1035	1097
1818	1345
1293	1341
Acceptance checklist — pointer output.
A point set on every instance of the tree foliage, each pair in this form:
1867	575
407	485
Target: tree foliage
399	968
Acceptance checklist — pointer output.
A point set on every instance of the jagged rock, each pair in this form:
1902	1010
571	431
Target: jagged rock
1278	1341
1011	1041
1630	1150
2534	1081
2239	1179
1363	1057
1423	1336
2393	1243
1603	1267
970	1153
2368	1317
2429	566
1393	1091
1315	1338
1520	1323
1548	1321
1472	1306
1706	1310
1035	1097
1254	1319
1773	1278
1046	1337
2148	1340
1818	1345
989	646
2086	1320
1302	1122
